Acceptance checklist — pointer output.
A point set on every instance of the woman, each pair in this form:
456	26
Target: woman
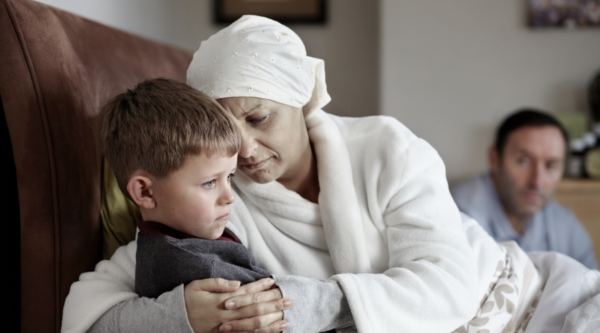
352	216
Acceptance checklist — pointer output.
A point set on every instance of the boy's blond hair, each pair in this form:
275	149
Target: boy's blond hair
157	124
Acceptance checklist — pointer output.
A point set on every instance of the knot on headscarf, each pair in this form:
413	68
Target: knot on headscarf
258	57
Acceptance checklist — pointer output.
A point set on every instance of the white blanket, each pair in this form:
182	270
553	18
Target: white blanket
560	294
571	290
509	295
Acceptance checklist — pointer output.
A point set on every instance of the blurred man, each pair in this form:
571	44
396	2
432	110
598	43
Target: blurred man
514	201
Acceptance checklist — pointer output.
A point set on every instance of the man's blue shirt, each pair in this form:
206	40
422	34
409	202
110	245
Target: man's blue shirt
553	228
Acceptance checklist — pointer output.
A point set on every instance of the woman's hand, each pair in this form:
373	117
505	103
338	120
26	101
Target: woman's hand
215	305
263	309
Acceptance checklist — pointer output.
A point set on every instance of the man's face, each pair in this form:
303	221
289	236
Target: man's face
529	169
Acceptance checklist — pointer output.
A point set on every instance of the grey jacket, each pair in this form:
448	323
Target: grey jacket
167	258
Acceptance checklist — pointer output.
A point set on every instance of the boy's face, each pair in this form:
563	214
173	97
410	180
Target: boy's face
197	198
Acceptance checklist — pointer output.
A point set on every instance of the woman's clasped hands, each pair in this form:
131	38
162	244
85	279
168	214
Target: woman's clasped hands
219	305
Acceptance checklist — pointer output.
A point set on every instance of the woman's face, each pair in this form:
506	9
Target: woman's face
275	143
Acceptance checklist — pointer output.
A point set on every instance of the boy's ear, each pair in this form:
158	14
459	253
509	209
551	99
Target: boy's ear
141	192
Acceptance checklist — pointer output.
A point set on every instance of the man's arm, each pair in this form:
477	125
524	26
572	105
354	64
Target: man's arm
589	258
570	236
583	248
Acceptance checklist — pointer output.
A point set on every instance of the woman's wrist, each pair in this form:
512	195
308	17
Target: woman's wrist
321	300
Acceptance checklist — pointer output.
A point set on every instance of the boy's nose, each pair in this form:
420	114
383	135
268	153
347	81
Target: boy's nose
227	197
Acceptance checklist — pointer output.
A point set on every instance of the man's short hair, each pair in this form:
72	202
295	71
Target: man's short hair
158	123
523	118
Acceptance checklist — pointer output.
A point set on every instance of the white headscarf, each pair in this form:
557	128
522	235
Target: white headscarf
258	57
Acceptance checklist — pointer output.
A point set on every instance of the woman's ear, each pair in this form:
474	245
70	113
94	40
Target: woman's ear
141	192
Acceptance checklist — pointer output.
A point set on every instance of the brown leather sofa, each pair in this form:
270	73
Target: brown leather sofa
56	71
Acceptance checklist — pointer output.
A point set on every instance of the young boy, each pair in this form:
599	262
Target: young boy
173	151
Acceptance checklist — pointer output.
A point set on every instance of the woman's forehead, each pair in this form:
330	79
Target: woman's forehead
244	104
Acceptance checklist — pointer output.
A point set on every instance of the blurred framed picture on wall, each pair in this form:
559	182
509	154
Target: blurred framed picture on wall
563	13
284	11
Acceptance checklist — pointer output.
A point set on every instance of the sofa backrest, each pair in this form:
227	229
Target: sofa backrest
56	71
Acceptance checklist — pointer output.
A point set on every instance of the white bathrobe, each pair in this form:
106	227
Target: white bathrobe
386	227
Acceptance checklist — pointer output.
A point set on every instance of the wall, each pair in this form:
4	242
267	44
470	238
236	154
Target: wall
348	42
451	71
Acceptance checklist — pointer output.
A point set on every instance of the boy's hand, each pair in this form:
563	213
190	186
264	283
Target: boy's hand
215	305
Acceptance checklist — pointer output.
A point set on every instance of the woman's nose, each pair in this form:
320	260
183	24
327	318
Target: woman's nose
248	145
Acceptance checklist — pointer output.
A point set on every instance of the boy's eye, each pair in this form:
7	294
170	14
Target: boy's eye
209	184
230	177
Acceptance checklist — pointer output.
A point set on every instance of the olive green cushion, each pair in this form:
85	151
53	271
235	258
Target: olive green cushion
118	213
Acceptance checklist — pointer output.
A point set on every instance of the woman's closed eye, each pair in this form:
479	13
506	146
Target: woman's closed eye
257	120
